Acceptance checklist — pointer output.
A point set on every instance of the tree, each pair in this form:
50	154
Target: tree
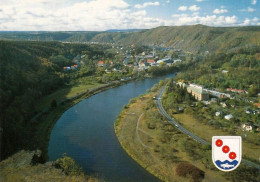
53	103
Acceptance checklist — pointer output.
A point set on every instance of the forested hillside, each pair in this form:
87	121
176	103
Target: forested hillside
28	72
195	38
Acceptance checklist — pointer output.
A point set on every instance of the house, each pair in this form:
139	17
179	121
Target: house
141	64
177	60
198	92
225	71
218	94
223	104
249	111
247	127
66	68
101	63
257	105
166	60
236	90
150	61
181	84
217	113
228	117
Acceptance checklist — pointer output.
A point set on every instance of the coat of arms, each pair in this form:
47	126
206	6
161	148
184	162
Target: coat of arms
226	152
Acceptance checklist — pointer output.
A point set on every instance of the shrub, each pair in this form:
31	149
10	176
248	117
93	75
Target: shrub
151	125
188	170
68	165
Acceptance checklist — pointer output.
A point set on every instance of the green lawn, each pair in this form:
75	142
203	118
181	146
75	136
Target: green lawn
65	94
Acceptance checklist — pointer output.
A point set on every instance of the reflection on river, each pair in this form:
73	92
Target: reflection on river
85	132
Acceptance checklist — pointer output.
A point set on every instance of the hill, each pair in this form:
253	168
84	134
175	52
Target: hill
194	38
30	70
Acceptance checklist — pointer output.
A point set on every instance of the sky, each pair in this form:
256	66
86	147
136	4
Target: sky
100	15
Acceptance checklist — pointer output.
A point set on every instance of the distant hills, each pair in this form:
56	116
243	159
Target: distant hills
194	38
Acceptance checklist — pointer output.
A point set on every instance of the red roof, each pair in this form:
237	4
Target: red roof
150	61
235	90
257	105
101	62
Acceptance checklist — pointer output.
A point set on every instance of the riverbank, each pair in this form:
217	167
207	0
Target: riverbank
156	145
43	124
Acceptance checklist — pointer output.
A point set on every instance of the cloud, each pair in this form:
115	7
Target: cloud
200	0
249	9
97	15
139	6
255	19
185	19
253	2
246	22
183	8
194	8
220	11
168	1
191	8
94	15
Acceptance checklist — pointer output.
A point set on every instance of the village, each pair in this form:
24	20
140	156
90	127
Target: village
224	109
128	58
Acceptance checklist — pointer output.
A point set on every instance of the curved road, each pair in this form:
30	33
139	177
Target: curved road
182	129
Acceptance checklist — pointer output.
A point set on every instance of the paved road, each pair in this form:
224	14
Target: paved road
182	129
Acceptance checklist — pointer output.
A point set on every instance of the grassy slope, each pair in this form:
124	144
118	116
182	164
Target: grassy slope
146	146
66	93
206	132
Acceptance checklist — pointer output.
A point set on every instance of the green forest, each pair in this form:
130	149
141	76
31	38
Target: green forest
29	71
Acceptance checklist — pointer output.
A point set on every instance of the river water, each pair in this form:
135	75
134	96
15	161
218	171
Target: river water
85	132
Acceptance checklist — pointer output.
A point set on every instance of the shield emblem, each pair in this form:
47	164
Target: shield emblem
226	152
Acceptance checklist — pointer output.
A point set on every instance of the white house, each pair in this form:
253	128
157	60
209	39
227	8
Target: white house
177	60
247	127
228	117
217	114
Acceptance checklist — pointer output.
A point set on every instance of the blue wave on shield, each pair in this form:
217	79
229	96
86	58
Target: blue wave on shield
226	164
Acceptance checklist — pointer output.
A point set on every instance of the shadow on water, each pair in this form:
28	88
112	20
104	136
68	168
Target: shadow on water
86	133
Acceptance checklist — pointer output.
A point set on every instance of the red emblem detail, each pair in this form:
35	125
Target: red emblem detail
232	155
225	149
219	142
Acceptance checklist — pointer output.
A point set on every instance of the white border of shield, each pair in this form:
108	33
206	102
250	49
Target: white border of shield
240	150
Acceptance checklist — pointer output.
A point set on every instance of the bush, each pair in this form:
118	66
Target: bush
68	165
151	126
188	170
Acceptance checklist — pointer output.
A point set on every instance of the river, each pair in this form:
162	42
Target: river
85	132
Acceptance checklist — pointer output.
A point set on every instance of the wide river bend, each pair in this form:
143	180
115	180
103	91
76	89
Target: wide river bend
85	132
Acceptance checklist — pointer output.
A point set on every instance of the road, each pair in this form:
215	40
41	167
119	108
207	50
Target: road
182	129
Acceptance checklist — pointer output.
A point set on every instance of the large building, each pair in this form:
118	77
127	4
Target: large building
198	92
